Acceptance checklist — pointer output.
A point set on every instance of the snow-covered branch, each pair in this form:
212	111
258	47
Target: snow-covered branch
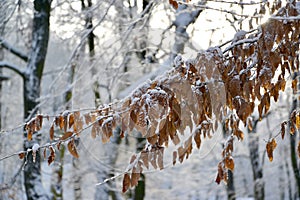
13	50
15	68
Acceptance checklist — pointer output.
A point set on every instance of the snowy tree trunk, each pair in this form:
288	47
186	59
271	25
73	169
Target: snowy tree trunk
230	183
32	80
257	170
184	17
294	156
107	191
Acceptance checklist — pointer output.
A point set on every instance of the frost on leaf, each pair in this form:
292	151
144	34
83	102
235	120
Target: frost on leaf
270	147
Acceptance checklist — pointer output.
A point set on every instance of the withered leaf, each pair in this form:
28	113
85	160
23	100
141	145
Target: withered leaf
72	148
144	158
297	121
44	152
126	182
29	134
135	176
197	138
71	120
51	132
39	122
174	4
153	159
51	156
283	129
271	145
21	155
152	139
66	135
160	158
174	157
229	163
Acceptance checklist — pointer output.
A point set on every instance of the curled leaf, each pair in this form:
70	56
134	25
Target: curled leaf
271	145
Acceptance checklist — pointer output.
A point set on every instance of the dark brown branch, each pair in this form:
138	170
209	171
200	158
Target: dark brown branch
13	50
13	67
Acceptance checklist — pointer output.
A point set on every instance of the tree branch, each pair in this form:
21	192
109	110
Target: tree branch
13	50
12	67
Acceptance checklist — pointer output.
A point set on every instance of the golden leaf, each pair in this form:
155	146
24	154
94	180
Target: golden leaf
271	145
229	163
29	134
297	121
72	149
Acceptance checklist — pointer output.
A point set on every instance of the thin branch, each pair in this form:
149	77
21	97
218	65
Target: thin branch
251	40
217	9
251	3
3	78
13	50
13	67
6	186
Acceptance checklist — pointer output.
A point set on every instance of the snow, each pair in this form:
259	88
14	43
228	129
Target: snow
35	147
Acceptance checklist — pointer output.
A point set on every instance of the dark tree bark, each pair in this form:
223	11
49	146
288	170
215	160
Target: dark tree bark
31	91
294	156
257	170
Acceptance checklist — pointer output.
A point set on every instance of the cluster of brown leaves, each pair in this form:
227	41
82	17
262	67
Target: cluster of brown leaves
194	98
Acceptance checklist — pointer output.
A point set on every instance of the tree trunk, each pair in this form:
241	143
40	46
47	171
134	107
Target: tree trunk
294	159
32	80
230	183
257	170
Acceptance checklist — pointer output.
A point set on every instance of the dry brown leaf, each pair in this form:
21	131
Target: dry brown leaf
271	145
66	135
21	155
51	132
229	163
160	158
135	176
174	157
72	148
174	4
71	120
51	156
126	182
